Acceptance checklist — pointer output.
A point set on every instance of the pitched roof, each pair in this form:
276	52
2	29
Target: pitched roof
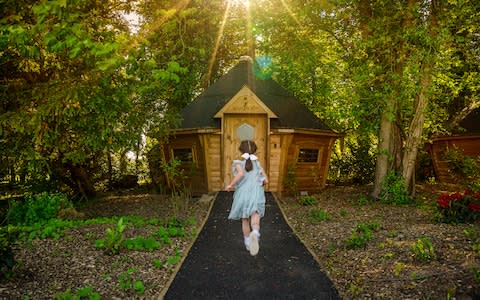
291	113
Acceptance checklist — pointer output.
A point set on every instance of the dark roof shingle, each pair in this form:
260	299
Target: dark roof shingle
291	113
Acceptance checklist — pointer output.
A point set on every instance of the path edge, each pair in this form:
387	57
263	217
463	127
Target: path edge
317	260
179	265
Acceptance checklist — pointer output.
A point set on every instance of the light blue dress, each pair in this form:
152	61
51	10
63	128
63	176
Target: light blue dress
249	196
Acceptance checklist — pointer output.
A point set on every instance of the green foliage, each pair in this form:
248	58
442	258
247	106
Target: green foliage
459	208
180	190
8	236
126	281
465	168
476	274
394	190
316	216
423	250
474	237
290	181
355	165
141	243
173	260
37	209
113	239
307	200
157	263
362	235
82	293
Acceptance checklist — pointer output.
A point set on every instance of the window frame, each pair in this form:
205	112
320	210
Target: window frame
303	149
192	153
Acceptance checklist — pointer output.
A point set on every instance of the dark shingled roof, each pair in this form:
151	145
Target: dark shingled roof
290	112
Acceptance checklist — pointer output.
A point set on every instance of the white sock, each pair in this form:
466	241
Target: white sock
246	240
257	233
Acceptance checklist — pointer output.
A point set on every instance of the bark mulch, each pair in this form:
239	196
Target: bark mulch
219	267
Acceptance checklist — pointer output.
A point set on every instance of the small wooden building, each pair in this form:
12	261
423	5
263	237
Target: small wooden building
239	106
466	139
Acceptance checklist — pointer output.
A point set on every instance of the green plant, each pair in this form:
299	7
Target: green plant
173	260
157	263
463	167
459	208
316	216
176	179
307	200
476	273
126	281
423	250
362	235
8	236
82	293
472	234
37	208
141	243
113	239
394	190
290	181
362	200
356	164
399	267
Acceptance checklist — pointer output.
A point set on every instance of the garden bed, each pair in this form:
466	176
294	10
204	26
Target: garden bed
383	266
391	264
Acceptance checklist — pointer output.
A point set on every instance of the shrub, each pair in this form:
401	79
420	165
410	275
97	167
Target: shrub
423	249
141	243
362	234
465	168
7	259
37	209
318	215
113	239
83	293
355	165
307	200
459	208
394	190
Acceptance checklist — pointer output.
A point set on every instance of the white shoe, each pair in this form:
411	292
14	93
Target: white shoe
246	241
254	246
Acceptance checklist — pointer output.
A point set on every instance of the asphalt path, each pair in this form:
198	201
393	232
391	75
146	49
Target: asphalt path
219	267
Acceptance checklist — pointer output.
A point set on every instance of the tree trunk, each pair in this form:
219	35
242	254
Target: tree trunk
415	130
383	149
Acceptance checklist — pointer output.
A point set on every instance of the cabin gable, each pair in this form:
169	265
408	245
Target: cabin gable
245	102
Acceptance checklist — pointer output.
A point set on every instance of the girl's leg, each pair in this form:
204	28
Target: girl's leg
245	226
246	232
255	221
255	234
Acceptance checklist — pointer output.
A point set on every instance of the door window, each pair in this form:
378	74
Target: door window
245	132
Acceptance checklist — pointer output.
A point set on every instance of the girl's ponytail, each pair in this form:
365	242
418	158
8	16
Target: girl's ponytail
248	165
249	147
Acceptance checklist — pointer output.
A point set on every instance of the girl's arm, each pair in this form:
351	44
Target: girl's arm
265	178
236	179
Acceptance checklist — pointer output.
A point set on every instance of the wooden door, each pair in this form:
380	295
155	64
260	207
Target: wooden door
235	128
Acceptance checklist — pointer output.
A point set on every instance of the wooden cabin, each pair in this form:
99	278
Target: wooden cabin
465	139
239	106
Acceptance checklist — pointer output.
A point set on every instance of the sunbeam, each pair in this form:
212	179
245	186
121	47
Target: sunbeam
217	44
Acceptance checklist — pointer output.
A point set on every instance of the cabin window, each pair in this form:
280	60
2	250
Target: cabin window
245	132
183	154
307	155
